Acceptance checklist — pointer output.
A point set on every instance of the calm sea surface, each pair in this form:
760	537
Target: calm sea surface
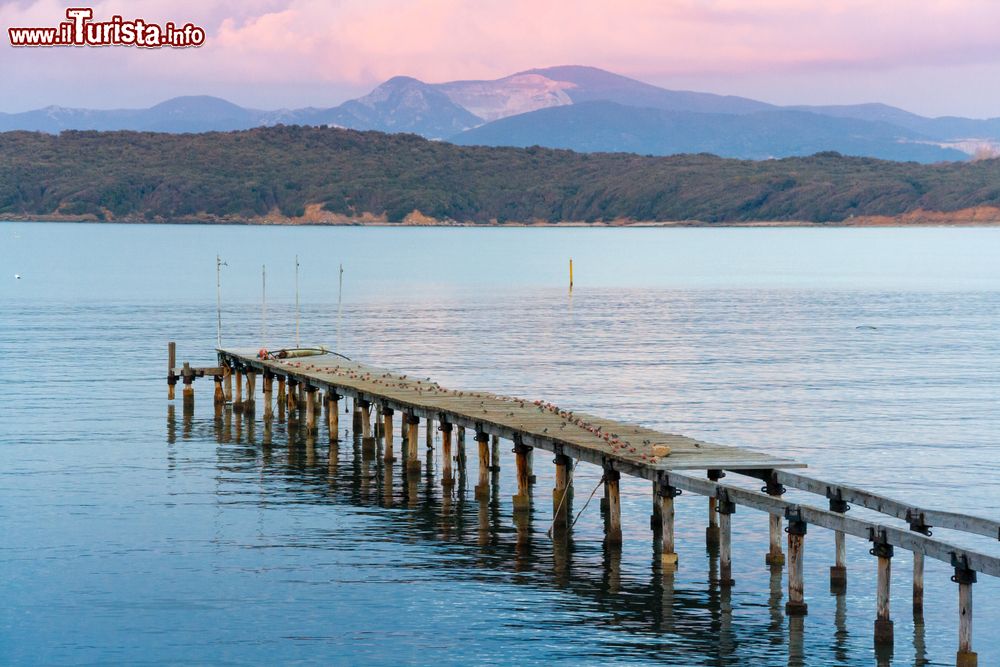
132	533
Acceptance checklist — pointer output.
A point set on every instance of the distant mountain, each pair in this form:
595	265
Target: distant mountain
610	127
572	106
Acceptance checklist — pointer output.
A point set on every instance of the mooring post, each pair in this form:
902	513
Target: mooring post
387	413
562	491
612	489
188	394
796	529
171	363
774	556
483	487
883	551
311	409
495	455
268	394
447	477
918	584
668	556
712	531
726	508
964	577
522	501
413	459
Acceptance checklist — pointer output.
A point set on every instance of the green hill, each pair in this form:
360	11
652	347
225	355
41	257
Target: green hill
248	174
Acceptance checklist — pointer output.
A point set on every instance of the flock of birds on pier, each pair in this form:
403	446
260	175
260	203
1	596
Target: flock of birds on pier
652	454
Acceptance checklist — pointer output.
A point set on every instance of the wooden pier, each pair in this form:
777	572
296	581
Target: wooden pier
309	379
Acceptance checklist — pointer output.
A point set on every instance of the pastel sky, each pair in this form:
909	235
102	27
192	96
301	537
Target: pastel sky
934	57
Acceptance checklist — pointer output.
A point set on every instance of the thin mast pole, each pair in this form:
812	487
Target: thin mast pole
340	300
218	300
263	306
296	301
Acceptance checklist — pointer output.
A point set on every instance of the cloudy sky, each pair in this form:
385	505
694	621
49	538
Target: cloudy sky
935	57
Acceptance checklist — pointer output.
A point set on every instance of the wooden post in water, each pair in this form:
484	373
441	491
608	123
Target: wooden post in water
171	363
883	622
838	573
429	433
796	605
333	415
774	556
726	509
356	418
387	413
522	501
248	402
413	458
964	577
495	455
366	419
281	398
613	535
483	487
918	584
188	394
310	409
238	394
290	398
712	531
460	456
220	396
668	557
563	489
447	477
268	394
227	382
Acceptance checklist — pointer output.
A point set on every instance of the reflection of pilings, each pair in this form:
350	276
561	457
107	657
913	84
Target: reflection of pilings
775	596
522	547
796	641
561	557
727	643
840	635
171	425
613	566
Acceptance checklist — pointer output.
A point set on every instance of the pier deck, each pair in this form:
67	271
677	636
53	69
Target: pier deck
538	424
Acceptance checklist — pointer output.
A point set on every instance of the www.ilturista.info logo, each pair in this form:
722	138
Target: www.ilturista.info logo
81	30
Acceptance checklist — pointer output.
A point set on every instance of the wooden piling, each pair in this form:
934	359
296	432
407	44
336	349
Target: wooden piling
292	404
447	477
774	556
249	401
220	396
918	584
562	490
668	556
613	535
356	418
412	457
333	415
268	387
964	577
429	433
495	455
460	457
387	413
188	394
311	427
838	572
227	382
483	487
522	501
712	531
366	419
796	529
238	394
171	364
726	509
883	622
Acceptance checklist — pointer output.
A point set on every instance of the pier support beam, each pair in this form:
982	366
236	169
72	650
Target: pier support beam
366	419
668	557
964	577
460	456
333	415
387	413
281	399
249	402
290	398
483	487
412	458
495	455
918	584
883	622
447	476
774	556
712	531
796	529
227	382
220	396
838	573
522	501
356	419
188	394
310	409
268	386
726	509
612	491
429	433
238	394
562	491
